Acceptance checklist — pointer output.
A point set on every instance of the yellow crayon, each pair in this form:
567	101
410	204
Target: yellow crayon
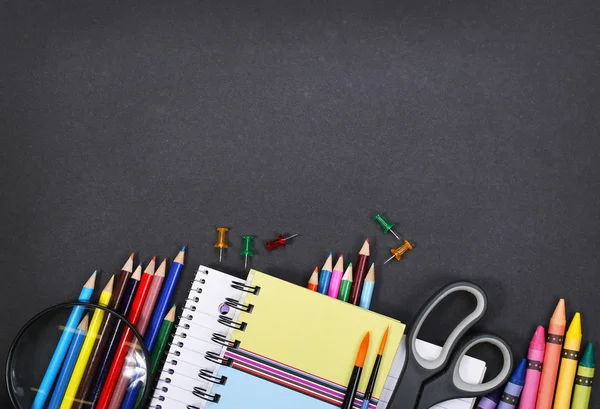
86	348
568	364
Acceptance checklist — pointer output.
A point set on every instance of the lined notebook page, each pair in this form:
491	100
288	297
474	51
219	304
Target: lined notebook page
471	370
203	307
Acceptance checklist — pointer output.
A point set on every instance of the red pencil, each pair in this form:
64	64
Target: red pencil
122	349
313	283
360	271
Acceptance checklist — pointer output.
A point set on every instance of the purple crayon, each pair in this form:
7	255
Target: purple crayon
512	390
489	401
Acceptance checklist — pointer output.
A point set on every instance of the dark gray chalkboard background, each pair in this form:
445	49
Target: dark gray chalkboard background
141	127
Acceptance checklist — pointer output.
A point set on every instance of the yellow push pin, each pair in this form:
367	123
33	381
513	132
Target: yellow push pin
221	241
397	252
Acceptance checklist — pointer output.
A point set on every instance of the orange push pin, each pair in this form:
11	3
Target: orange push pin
398	252
221	241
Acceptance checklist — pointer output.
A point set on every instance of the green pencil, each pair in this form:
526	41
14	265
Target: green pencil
583	380
346	285
161	342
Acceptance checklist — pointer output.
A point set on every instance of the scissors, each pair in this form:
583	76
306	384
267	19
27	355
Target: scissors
424	383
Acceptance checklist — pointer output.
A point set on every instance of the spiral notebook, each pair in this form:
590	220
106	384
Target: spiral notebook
267	343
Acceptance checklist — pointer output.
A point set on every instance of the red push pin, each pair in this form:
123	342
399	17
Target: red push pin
278	242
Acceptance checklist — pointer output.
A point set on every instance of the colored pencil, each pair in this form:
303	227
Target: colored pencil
325	276
346	285
367	292
360	272
568	364
98	350
114	336
374	371
535	361
165	299
123	345
336	277
160	312
115	385
489	401
554	341
348	401
313	282
512	390
88	344
142	325
161	343
69	364
63	345
584	379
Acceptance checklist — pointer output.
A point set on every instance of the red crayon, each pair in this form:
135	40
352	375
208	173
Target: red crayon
360	272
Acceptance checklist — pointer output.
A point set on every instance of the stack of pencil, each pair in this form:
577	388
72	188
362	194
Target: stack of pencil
552	378
92	351
354	285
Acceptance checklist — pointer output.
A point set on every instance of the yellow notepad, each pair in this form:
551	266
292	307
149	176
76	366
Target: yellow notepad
313	333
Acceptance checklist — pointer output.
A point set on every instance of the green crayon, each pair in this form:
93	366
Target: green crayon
583	380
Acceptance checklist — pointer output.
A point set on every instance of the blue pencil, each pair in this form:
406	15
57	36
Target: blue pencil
325	276
63	345
367	291
70	360
162	306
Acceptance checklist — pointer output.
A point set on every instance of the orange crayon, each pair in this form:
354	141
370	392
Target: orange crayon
552	356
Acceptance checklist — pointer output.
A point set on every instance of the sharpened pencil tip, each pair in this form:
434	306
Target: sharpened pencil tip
183	248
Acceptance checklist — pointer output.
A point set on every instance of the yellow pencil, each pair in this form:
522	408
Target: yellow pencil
86	348
568	364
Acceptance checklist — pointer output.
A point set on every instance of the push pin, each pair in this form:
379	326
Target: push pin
397	252
278	242
385	225
221	241
246	249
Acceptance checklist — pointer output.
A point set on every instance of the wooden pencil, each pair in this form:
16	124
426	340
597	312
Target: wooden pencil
313	282
100	345
360	271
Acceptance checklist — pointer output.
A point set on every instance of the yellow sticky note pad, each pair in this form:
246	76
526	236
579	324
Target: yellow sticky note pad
314	333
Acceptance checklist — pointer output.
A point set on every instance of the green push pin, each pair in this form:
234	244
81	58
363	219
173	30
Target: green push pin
246	249
385	225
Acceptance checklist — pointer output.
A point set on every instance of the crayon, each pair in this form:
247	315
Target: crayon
346	285
70	361
325	276
63	345
554	341
513	388
348	401
360	272
336	278
367	292
535	360
86	348
490	401
584	379
568	364
313	282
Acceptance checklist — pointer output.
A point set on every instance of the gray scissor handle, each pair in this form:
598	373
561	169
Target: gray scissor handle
454	337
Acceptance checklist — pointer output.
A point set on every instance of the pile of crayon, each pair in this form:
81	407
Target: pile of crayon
92	365
351	286
550	378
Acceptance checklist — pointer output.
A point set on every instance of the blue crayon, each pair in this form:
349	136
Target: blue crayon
325	276
70	360
489	401
512	390
63	345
